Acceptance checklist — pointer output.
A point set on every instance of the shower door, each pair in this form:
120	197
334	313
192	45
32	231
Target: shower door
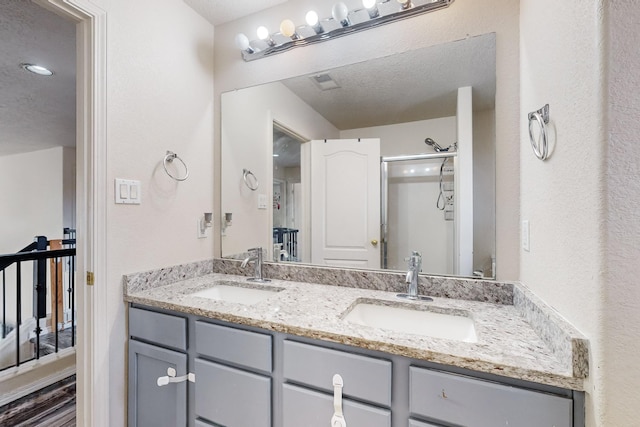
416	214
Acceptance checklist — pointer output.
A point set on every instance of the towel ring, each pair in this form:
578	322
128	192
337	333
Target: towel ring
539	146
169	158
245	175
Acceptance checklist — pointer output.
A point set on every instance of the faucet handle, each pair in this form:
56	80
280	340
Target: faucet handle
415	260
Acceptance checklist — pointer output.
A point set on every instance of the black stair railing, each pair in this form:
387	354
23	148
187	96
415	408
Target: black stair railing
38	253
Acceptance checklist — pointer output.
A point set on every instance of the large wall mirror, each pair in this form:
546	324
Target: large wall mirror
362	165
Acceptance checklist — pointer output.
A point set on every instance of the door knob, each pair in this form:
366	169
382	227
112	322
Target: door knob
374	242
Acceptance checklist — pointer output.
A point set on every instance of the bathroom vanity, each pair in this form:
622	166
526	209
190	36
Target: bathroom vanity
272	357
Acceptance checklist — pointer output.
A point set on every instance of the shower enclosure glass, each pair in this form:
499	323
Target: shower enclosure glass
418	211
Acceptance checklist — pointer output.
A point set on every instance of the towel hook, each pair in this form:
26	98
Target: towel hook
246	173
539	145
169	158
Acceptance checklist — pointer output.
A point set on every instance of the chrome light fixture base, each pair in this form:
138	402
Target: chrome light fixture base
389	11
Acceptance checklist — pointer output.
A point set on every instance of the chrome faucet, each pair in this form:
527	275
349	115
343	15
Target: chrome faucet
255	255
415	266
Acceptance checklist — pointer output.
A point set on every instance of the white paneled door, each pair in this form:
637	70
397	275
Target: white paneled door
345	202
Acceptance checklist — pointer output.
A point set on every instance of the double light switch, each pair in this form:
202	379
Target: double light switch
127	191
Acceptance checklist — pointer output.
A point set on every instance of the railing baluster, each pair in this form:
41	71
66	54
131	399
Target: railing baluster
70	270
56	303
18	311
37	331
4	304
73	301
60	256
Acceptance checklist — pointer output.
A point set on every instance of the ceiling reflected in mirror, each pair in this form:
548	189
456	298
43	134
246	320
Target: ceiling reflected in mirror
404	87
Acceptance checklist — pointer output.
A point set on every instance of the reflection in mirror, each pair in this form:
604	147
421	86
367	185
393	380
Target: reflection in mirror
287	189
432	113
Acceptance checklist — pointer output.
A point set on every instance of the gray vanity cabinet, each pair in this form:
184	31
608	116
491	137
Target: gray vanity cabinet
248	377
233	382
308	408
149	404
465	401
309	368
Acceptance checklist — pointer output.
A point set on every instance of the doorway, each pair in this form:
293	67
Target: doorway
287	205
92	350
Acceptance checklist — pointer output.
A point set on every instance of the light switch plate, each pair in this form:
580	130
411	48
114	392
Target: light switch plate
127	191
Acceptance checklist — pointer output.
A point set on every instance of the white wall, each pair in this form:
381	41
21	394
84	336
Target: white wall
564	197
247	131
32	189
31	185
484	190
622	218
69	187
159	97
408	138
460	20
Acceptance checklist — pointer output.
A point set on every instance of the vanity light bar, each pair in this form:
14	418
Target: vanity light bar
343	22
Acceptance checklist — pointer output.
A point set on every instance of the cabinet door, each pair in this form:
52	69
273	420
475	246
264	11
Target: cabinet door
149	404
232	397
304	407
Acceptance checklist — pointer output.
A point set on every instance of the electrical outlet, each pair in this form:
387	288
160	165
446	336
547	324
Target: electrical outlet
525	235
202	230
262	201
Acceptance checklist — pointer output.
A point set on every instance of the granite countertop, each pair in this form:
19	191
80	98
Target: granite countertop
507	344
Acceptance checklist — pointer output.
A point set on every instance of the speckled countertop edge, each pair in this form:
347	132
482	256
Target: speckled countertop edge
507	346
567	343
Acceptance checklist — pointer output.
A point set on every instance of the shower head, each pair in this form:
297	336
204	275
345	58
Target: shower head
437	148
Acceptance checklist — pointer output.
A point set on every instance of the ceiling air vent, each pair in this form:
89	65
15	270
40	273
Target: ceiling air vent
324	81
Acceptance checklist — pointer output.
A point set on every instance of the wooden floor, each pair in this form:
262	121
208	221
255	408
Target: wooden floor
53	406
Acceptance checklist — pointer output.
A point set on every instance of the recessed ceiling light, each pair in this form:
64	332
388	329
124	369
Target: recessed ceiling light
37	69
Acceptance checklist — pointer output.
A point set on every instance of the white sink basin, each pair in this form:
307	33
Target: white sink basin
237	294
411	321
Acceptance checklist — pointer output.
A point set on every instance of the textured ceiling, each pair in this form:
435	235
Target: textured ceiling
220	11
415	85
35	112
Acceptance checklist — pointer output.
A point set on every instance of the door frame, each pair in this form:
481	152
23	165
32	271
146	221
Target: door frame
92	349
274	121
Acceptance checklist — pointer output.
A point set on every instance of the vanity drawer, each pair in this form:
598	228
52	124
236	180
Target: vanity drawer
243	348
231	397
303	407
470	402
158	328
365	378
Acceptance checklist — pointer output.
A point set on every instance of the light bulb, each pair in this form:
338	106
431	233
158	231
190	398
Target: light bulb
242	42
340	13
312	18
288	29
263	33
371	7
312	21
